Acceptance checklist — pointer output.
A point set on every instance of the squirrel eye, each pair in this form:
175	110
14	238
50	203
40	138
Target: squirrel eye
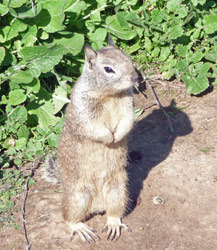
108	70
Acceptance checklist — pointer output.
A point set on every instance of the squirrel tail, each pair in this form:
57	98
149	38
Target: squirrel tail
50	170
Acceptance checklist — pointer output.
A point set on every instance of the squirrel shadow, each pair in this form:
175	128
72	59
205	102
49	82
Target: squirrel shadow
150	143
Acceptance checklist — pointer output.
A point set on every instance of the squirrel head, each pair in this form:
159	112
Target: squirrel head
109	69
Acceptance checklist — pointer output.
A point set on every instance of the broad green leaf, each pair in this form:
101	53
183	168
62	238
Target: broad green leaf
195	85
43	35
182	11
21	143
181	50
134	47
23	132
3	9
210	23
14	3
148	44
113	26
30	36
77	7
212	56
156	16
59	98
134	19
73	45
196	57
53	140
7	33
16	97
26	12
175	32
43	109
155	52
2	54
182	66
98	38
195	2
42	58
121	17
19	114
45	115
21	77
56	13
165	52
173	5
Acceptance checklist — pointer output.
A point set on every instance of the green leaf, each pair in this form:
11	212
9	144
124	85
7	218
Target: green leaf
181	50
182	66
21	143
210	24
121	17
26	12
30	36
2	54
19	114
3	9
73	45
196	56
53	140
21	77
165	52
15	3
173	5
175	31
148	44
43	109
156	16
56	13
195	85
98	38
212	56
113	26
42	58
59	98
138	112
23	132
16	97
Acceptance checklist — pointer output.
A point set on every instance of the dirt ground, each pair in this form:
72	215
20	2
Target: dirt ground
180	169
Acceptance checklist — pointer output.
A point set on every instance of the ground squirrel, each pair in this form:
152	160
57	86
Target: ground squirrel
92	150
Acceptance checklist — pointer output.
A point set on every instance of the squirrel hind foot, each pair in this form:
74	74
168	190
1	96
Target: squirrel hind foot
86	233
113	228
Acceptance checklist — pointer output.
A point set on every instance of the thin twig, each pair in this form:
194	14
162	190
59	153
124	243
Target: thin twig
34	166
158	102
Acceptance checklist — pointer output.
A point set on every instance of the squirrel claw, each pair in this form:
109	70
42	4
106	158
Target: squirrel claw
113	228
85	233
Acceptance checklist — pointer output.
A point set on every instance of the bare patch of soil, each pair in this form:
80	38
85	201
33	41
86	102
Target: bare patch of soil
179	168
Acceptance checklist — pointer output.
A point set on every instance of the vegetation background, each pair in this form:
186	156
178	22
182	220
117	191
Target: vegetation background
41	57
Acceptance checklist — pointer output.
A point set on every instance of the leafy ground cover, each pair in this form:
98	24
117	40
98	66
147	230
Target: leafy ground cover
41	56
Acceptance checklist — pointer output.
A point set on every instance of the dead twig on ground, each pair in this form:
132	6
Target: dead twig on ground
34	166
158	102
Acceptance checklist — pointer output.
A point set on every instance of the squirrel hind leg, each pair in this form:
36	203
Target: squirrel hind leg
86	233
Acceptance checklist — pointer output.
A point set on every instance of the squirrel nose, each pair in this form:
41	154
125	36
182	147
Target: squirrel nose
134	78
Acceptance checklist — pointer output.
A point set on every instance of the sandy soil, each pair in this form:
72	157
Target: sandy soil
180	169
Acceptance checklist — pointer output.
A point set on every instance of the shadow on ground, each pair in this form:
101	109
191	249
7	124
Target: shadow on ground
150	143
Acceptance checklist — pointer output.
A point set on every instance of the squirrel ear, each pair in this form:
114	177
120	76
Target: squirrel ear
111	41
90	55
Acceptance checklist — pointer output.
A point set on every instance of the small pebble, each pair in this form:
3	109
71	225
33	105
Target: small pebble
158	200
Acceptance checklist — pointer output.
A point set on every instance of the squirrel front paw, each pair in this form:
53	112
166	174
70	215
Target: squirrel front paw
119	135
108	137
